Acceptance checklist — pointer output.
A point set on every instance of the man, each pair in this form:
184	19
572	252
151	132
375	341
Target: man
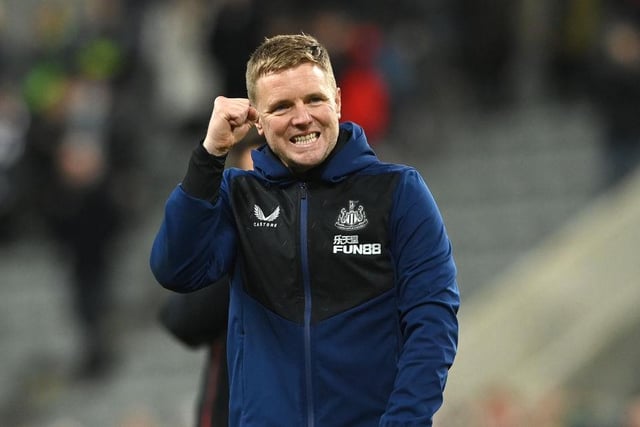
343	295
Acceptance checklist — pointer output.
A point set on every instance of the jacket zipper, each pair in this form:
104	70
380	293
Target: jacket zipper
307	301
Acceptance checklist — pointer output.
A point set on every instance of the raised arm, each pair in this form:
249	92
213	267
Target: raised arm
195	244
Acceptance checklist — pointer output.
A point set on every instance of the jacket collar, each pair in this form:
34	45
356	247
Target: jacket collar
351	154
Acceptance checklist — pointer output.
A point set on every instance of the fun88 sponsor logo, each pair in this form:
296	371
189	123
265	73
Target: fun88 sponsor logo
350	245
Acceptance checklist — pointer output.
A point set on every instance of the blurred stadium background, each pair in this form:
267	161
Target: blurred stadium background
522	115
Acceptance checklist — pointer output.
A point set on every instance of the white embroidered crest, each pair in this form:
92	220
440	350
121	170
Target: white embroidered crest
352	219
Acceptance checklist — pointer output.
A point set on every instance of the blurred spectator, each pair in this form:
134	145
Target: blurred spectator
78	150
615	72
364	91
81	212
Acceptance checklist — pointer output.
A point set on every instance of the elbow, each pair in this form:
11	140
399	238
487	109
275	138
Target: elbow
165	273
175	278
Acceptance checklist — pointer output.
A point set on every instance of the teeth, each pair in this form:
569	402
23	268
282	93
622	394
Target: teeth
305	139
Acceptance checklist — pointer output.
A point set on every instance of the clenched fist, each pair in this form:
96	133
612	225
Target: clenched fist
230	121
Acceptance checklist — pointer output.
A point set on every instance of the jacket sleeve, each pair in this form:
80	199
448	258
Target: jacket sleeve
428	304
195	244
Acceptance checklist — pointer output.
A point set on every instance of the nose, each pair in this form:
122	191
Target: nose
301	116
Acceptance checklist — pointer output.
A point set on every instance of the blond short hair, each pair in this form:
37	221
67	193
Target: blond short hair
282	52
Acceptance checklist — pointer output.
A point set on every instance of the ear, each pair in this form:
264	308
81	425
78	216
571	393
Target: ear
258	125
338	102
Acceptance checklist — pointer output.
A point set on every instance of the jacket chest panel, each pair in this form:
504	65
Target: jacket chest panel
346	236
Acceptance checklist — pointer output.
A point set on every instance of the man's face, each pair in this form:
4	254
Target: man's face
299	112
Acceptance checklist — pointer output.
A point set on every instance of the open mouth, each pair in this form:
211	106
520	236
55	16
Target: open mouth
305	139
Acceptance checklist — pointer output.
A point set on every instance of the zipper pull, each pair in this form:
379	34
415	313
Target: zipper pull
303	190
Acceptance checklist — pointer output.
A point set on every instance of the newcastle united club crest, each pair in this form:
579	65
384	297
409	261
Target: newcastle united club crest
353	218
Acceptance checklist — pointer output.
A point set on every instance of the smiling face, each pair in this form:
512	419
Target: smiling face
299	112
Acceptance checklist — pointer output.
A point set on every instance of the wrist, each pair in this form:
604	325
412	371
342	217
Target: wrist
214	150
204	174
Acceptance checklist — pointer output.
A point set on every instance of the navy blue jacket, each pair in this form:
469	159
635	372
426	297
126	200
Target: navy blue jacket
343	296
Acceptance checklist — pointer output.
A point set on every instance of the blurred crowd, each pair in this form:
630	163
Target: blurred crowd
86	85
